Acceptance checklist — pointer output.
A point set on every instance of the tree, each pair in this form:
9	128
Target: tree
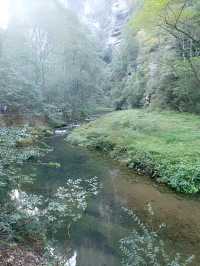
167	59
50	59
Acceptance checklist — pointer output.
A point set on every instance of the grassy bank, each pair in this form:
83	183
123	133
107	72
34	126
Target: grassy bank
165	146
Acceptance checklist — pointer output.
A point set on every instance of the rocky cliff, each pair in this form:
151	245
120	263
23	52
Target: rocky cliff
105	18
119	17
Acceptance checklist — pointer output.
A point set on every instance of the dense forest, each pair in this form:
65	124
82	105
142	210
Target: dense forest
37	52
156	63
77	192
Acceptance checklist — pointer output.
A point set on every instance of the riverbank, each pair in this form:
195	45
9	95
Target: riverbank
20	244
162	145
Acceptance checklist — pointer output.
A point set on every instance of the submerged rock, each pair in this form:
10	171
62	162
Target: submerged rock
61	131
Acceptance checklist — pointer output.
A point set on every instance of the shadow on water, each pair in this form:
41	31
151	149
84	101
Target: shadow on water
95	237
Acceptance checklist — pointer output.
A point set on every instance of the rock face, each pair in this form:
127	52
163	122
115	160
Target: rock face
105	18
120	14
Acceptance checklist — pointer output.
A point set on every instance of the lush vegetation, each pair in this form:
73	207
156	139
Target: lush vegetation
158	62
51	72
162	145
18	145
37	52
29	221
59	68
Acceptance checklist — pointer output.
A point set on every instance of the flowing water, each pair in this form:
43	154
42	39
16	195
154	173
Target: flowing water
113	216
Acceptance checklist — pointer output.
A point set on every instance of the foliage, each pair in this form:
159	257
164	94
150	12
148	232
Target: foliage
122	65
32	219
37	53
165	70
149	13
144	246
14	223
69	202
12	156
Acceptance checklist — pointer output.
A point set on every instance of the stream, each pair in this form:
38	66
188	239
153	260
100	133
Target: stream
113	216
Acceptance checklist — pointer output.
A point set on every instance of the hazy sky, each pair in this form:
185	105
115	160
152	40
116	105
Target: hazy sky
4	13
8	7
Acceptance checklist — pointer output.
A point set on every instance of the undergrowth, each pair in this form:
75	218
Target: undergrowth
17	146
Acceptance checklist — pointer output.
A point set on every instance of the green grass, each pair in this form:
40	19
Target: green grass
165	145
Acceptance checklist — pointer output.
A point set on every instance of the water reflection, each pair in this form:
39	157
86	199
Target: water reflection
95	236
72	260
90	255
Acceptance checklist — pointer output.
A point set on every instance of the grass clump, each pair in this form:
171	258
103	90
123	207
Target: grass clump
162	145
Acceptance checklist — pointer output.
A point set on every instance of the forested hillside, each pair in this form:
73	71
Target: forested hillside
158	62
37	51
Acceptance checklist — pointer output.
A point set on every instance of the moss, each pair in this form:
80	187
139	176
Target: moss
47	132
24	142
54	165
162	145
